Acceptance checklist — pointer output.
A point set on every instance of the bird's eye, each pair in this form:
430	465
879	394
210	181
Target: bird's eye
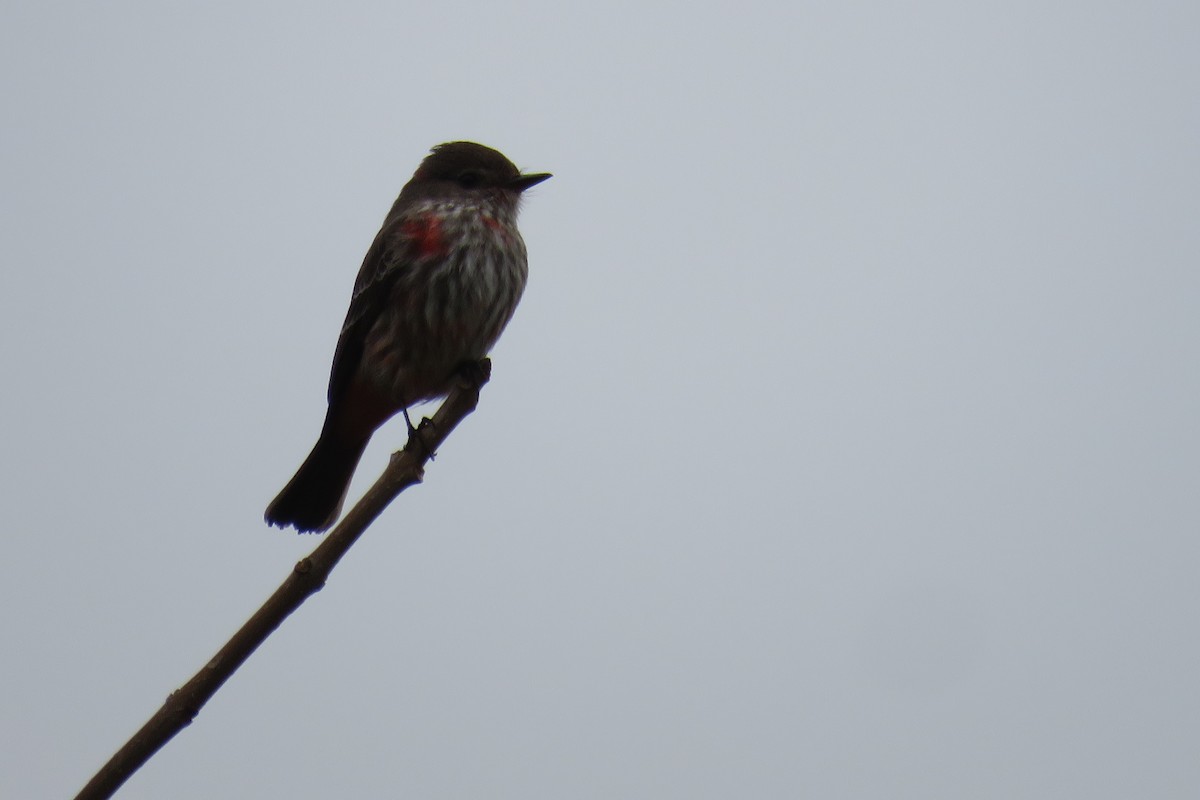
470	178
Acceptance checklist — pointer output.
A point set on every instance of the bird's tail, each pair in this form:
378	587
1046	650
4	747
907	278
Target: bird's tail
313	497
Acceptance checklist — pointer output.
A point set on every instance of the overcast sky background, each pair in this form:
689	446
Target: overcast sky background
845	444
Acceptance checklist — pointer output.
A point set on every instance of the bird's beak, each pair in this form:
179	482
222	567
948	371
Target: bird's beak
523	182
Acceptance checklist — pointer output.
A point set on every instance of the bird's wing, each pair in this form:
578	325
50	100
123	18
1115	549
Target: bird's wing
388	256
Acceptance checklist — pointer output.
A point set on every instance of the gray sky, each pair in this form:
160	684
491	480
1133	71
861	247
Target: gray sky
845	444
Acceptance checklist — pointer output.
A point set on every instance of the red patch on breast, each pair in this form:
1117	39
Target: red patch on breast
425	232
497	226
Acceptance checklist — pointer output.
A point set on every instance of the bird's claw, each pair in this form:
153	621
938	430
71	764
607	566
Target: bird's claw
415	433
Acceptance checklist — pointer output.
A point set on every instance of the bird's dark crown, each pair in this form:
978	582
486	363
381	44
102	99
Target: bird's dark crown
469	165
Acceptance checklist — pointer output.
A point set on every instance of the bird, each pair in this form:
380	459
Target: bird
437	287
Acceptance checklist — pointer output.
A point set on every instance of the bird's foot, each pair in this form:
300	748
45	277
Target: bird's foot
416	433
474	374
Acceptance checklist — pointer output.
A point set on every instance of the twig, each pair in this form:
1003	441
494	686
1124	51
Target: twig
307	577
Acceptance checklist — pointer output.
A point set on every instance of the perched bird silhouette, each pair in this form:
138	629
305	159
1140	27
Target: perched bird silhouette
438	285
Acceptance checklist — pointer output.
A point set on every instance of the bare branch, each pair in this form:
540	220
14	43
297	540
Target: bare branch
307	577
